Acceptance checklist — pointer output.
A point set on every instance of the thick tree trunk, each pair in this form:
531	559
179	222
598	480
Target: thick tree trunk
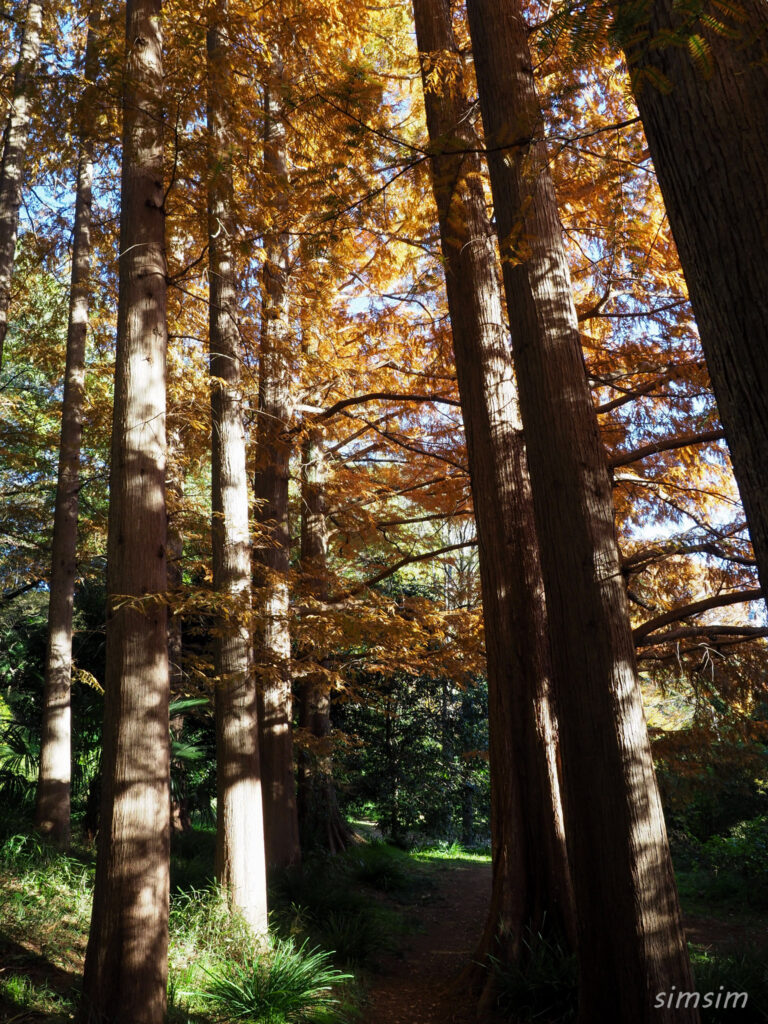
629	931
530	873
273	639
240	864
52	810
321	823
707	129
126	960
15	154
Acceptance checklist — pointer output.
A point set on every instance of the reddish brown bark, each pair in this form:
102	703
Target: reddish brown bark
530	874
272	556
126	960
706	122
630	937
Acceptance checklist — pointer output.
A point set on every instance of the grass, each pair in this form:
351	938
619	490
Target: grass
336	917
745	971
339	915
282	984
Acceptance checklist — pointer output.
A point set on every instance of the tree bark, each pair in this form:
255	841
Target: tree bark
240	863
273	639
630	937
530	873
321	823
126	959
52	809
707	128
15	155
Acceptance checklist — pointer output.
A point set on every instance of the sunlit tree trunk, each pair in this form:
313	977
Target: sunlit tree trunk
707	127
320	820
240	864
272	556
15	154
126	959
530	874
52	809
629	931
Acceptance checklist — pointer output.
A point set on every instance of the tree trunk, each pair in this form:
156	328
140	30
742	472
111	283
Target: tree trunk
15	154
320	821
180	819
240	865
52	809
273	641
126	959
530	873
630	936
707	128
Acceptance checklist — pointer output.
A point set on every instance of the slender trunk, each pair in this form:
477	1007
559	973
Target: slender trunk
126	959
630	936
530	872
320	820
240	864
52	810
180	819
707	127
273	642
15	154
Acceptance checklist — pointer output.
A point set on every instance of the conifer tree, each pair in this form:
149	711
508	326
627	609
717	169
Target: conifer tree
630	934
126	960
15	141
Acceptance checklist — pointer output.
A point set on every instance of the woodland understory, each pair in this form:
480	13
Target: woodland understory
384	478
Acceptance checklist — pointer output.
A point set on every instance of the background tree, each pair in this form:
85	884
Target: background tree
241	868
52	811
14	154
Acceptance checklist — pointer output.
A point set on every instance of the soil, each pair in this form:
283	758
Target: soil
422	985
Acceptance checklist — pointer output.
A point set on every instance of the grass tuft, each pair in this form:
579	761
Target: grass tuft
280	985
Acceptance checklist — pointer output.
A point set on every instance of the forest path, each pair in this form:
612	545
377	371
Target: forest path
419	987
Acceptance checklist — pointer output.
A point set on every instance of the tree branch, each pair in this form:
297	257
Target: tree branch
716	601
665	445
392	569
685	632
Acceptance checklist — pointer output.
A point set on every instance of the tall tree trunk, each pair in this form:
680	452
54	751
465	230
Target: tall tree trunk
126	960
240	863
273	640
320	821
707	127
52	809
530	872
15	154
630	936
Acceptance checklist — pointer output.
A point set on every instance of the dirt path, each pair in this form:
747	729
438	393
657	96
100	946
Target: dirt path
416	988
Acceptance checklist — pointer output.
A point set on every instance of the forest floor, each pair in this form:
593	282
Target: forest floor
419	984
430	906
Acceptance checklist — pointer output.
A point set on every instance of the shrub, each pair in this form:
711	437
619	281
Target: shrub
739	861
281	985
